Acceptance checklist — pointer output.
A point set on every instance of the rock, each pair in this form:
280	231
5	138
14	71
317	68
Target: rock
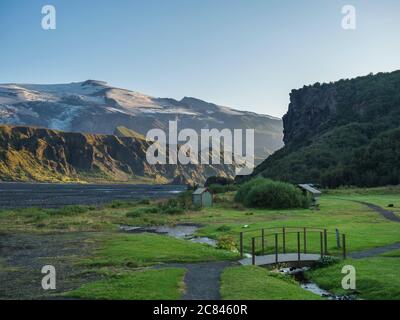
44	155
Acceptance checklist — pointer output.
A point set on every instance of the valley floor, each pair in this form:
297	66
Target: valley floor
94	259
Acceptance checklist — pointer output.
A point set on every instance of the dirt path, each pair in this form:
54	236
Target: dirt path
202	280
389	215
374	252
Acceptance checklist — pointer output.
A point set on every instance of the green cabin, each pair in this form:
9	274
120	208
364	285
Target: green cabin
202	197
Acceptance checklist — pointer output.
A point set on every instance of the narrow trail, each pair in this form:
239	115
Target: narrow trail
389	215
202	280
374	252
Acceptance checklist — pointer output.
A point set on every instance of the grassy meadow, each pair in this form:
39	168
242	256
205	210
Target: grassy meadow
124	261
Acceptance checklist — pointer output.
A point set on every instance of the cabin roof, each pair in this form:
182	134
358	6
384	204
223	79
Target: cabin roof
309	188
200	190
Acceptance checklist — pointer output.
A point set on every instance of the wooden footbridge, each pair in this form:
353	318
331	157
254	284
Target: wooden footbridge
270	246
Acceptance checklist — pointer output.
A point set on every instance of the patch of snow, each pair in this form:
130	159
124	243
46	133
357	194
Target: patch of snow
63	121
114	110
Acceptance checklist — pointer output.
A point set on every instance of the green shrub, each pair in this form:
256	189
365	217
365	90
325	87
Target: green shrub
224	228
264	193
226	243
173	210
143	201
116	204
218	181
326	261
185	199
70	210
245	188
35	214
172	206
218	188
141	211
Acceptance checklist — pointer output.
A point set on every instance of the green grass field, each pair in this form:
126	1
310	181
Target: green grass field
376	278
124	253
138	250
165	284
256	283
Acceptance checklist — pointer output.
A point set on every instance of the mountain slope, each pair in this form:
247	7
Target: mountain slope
128	133
32	154
342	133
95	107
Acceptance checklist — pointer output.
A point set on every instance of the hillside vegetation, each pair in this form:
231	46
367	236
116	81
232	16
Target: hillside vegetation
342	133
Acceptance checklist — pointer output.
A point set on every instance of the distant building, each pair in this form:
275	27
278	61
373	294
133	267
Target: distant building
202	197
309	189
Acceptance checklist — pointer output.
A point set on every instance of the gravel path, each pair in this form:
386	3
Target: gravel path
374	252
389	215
202	280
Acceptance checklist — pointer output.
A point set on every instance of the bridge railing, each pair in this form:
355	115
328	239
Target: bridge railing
300	240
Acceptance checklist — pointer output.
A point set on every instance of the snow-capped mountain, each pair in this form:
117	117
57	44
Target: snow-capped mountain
95	107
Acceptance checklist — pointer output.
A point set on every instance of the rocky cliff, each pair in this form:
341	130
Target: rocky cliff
341	133
34	154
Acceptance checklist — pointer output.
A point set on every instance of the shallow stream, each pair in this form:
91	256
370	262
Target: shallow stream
180	231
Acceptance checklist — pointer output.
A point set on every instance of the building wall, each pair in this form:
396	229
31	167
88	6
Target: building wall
197	200
203	200
207	199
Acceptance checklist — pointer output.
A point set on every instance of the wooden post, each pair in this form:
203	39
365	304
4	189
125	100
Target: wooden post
253	251
284	239
326	242
322	245
241	244
262	241
298	246
276	247
337	238
305	240
344	245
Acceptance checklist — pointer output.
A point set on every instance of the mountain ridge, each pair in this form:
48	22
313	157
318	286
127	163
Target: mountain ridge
45	155
95	107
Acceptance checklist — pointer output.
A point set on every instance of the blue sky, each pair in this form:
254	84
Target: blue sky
247	54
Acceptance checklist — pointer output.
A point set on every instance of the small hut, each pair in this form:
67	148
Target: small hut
202	197
309	189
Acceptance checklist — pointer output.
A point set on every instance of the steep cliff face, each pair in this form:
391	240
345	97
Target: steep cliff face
332	131
33	154
310	109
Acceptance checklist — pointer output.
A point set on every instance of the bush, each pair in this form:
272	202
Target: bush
172	206
70	210
141	211
246	187
218	188
118	204
218	181
226	243
143	201
264	193
184	199
35	214
224	228
326	261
